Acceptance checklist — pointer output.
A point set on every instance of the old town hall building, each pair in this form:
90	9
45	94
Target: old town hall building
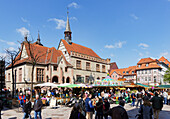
69	63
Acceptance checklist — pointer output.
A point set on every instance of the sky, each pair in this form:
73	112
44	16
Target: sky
123	30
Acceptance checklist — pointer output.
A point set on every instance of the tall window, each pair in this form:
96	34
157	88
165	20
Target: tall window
145	71
87	65
97	67
8	76
150	71
145	78
78	64
66	69
149	78
40	75
55	68
87	79
103	68
20	74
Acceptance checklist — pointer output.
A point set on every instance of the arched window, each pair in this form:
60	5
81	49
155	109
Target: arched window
47	78
68	80
63	79
55	79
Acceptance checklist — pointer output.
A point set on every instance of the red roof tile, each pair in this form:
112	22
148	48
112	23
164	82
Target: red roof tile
124	71
79	49
163	59
145	60
46	55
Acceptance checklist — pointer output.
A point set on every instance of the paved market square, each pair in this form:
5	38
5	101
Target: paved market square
63	112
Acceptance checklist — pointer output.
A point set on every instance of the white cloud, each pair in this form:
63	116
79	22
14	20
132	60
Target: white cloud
11	49
73	4
9	43
23	31
116	45
3	54
134	16
143	45
26	21
112	55
109	46
60	23
73	18
165	54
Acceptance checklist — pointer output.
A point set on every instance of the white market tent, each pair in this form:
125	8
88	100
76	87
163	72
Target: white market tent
48	84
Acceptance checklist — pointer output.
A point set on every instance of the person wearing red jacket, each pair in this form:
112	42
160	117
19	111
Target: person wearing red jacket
21	99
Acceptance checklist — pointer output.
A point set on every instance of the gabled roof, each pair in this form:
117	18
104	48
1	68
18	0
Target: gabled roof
124	71
163	59
145	60
46	55
148	63
79	49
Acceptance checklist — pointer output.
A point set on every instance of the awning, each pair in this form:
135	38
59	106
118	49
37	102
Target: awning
139	84
164	86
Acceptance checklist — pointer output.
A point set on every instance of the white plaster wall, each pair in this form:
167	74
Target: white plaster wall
63	49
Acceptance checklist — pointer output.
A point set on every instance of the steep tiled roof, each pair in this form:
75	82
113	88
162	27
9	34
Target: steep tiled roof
147	63
46	55
79	49
124	71
145	60
163	59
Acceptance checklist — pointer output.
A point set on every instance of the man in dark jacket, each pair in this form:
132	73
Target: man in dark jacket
37	107
106	107
82	104
118	112
89	107
157	104
1	107
139	98
27	109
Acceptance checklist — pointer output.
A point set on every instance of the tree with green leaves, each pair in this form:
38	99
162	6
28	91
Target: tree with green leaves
167	76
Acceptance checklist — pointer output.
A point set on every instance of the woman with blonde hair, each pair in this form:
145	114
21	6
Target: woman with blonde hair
146	109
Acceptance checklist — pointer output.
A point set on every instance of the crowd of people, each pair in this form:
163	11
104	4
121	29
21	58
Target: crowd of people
97	102
150	105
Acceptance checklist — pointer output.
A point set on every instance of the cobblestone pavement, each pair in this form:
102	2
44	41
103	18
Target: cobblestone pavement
63	112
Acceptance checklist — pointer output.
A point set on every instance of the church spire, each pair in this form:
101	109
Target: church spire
38	39
67	30
67	24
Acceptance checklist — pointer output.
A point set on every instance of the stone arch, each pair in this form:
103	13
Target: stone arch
68	80
55	79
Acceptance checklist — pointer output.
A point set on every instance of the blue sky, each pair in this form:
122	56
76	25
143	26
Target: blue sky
123	30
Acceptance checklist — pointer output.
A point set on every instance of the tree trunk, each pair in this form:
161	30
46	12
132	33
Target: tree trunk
13	79
32	79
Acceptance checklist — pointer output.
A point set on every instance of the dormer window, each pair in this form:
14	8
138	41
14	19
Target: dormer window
139	66
127	72
132	72
123	71
147	65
